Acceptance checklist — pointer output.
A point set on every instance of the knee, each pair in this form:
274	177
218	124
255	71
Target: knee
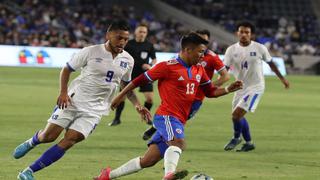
151	161
68	142
179	143
47	137
236	117
149	100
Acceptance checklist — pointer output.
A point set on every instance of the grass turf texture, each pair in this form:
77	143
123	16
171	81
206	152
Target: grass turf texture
285	129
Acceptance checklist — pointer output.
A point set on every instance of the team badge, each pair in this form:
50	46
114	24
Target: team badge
203	64
144	55
253	54
123	64
198	77
179	131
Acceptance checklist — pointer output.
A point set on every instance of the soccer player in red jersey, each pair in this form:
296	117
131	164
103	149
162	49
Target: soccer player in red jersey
211	63
178	82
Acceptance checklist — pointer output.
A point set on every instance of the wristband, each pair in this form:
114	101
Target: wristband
226	89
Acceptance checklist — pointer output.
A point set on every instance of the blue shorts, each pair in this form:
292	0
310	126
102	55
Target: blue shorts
167	128
194	108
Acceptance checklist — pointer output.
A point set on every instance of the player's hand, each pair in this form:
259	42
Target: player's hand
235	86
63	101
286	83
116	101
144	113
146	66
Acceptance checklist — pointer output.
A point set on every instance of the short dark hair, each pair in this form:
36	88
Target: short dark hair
192	39
246	24
203	32
143	25
118	25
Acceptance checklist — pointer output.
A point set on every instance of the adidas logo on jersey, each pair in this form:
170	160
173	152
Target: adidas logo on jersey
180	78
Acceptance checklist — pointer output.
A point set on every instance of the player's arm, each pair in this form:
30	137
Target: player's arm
223	77
145	114
212	91
64	99
131	95
277	72
127	89
155	73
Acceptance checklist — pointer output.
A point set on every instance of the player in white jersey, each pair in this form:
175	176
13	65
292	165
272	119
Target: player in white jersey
79	108
245	57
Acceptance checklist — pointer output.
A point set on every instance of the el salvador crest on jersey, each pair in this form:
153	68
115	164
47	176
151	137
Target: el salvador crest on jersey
198	77
253	54
123	64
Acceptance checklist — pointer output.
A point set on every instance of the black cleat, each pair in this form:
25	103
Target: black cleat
246	147
148	133
232	144
115	122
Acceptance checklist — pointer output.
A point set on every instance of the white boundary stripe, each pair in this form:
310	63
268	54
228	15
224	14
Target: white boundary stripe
168	128
147	76
208	82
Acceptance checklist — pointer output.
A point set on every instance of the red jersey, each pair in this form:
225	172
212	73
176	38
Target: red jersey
177	86
211	62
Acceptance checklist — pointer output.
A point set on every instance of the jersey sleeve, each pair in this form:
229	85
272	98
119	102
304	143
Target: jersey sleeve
159	71
265	54
127	76
218	64
78	60
204	79
228	57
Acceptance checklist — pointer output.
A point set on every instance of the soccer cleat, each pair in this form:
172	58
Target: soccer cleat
25	175
176	175
232	144
246	147
148	133
104	174
115	122
22	150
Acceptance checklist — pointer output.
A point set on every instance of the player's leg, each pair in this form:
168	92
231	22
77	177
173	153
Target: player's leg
172	131
147	90
150	158
49	134
237	115
252	103
77	130
117	117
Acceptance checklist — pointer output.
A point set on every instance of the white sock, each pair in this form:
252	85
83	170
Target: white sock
171	159
130	167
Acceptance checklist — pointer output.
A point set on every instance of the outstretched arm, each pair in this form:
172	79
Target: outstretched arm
127	89
212	91
130	94
274	68
63	98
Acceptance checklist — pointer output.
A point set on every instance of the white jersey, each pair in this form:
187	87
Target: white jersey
247	64
93	90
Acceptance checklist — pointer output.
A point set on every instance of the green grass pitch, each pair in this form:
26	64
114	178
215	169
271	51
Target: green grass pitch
285	129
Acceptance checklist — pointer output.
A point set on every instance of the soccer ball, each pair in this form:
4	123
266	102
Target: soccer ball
201	176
